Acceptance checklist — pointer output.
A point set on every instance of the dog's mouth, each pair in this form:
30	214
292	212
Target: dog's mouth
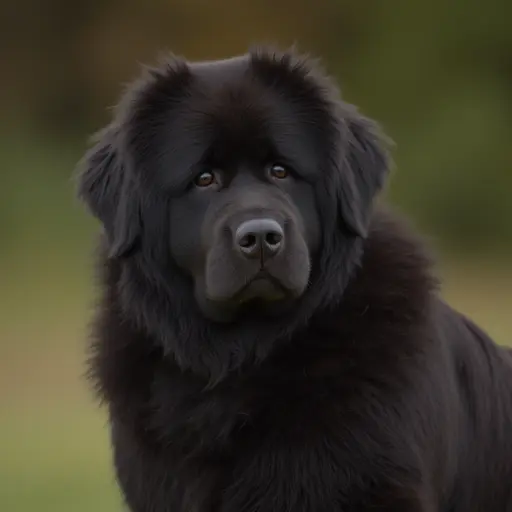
262	295
264	287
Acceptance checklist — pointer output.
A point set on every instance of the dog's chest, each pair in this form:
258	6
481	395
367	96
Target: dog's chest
236	413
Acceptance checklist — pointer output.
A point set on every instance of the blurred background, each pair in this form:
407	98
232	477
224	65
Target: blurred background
436	74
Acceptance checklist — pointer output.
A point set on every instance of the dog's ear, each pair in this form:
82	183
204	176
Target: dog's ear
106	186
365	167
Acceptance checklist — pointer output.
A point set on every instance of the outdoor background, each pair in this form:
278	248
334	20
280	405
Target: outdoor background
436	73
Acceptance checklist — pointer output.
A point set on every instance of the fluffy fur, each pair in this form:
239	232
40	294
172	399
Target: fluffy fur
368	393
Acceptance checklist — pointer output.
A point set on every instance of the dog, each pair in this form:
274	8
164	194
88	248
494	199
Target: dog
269	338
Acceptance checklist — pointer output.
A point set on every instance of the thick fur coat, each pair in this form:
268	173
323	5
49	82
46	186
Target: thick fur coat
366	392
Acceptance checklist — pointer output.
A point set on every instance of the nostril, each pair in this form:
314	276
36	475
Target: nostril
273	239
247	241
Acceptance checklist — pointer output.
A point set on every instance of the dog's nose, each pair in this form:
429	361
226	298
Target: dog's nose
259	238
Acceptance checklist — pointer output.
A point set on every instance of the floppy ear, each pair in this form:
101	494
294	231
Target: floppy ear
106	186
366	165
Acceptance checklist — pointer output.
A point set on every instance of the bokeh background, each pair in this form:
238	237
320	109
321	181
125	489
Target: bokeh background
437	74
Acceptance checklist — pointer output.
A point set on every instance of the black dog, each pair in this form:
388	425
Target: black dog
265	341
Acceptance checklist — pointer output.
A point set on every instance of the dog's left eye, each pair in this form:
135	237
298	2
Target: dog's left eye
279	171
205	179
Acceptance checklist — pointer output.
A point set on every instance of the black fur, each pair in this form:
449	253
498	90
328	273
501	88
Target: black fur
367	393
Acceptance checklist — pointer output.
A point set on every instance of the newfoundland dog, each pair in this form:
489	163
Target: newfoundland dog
266	340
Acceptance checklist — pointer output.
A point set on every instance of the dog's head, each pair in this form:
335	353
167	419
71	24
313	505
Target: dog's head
242	174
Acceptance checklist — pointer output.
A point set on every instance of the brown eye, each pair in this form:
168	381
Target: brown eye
205	179
278	171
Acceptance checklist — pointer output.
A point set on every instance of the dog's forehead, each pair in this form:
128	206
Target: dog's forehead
229	115
227	104
226	99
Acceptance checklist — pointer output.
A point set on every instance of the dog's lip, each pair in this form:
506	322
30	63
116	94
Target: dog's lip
262	275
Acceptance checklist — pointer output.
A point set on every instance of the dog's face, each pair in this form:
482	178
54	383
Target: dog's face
244	224
255	164
246	232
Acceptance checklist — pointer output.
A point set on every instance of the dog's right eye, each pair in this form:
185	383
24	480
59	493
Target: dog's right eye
205	179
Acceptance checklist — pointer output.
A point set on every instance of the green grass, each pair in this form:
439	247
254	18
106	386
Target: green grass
54	453
55	459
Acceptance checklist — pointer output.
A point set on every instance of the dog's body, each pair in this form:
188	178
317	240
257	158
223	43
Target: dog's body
265	343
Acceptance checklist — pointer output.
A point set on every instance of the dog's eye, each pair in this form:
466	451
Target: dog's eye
205	179
278	171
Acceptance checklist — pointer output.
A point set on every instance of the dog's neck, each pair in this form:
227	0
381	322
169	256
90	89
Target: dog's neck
389	295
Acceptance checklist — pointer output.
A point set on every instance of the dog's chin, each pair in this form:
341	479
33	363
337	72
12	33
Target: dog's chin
262	298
